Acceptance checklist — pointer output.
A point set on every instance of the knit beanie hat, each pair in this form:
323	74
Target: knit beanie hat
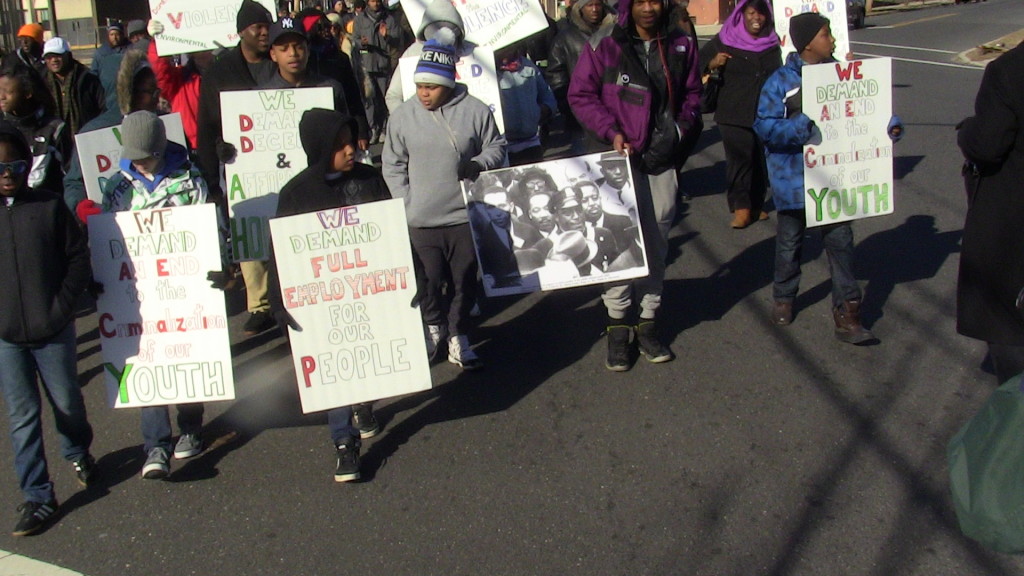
250	13
437	62
804	27
33	31
142	135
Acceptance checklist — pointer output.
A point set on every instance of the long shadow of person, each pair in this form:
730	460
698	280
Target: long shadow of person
914	250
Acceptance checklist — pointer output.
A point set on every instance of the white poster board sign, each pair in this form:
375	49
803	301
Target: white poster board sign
99	152
556	224
475	70
848	169
347	279
491	23
196	25
834	10
263	126
163	328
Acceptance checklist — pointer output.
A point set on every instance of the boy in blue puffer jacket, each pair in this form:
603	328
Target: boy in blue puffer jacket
784	129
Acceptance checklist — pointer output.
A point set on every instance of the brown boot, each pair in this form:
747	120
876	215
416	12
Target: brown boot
848	326
741	218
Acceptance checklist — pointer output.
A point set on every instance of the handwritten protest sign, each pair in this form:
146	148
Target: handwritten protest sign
490	23
475	70
99	151
263	125
834	10
195	25
163	329
848	173
347	279
550	225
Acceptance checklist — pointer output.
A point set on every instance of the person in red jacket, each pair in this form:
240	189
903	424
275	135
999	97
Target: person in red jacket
180	84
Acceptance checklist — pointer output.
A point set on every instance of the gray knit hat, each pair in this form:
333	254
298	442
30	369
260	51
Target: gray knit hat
142	136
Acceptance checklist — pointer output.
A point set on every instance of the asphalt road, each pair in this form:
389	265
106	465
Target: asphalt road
759	451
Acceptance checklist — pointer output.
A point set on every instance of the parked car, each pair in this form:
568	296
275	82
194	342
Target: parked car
856	11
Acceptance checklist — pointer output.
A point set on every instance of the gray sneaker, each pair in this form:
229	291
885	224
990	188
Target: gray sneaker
157	464
188	446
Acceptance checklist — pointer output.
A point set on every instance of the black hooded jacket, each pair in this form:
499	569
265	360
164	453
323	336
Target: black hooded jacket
310	190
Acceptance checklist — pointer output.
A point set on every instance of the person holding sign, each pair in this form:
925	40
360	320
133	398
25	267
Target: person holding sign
332	179
637	87
45	259
784	129
442	136
156	173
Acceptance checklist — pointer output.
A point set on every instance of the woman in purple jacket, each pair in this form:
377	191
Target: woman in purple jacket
637	87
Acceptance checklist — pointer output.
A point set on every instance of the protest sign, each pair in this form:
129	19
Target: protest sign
99	152
196	25
490	23
263	126
848	163
475	70
163	328
347	279
834	10
550	225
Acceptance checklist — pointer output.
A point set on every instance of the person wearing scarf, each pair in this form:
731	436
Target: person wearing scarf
744	53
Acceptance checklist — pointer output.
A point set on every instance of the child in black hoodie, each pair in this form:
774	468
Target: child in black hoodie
45	260
333	178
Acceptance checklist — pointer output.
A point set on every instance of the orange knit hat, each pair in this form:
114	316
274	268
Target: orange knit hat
33	31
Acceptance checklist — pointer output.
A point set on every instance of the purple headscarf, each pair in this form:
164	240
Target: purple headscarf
734	32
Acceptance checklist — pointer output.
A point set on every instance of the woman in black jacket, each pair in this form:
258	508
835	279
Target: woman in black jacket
744	54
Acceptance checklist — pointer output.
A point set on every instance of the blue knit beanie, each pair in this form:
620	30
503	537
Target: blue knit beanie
437	62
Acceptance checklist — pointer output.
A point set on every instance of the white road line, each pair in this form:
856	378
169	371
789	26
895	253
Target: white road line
946	64
15	565
895	47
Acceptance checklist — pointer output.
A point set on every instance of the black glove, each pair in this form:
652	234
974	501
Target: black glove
285	321
226	152
95	289
222	279
469	170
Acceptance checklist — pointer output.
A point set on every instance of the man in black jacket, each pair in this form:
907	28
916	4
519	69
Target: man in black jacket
45	260
77	92
243	67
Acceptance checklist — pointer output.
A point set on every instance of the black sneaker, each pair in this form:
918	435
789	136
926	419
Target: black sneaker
258	322
650	347
34	516
619	338
364	420
85	469
347	469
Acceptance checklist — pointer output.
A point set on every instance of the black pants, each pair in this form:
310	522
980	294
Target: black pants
745	171
448	258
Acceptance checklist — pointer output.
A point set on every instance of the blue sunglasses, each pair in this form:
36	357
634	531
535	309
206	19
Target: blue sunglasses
16	168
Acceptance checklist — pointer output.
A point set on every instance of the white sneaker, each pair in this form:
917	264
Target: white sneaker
434	335
459	352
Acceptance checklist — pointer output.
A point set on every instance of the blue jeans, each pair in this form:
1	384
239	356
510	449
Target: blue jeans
339	420
156	424
55	361
789	240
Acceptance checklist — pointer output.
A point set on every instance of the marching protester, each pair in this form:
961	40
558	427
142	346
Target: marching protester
116	43
26	103
990	284
659	62
743	55
289	50
784	128
584	18
138	35
332	178
436	139
243	67
46	266
179	85
526	104
77	93
30	49
378	32
155	173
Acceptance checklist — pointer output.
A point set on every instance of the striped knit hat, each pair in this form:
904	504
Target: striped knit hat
437	62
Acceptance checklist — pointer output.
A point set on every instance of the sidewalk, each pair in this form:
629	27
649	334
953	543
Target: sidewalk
15	565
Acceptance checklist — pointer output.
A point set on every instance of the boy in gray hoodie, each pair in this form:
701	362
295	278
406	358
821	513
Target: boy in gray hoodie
434	140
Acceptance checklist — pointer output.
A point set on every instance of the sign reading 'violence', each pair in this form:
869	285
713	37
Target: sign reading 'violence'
195	25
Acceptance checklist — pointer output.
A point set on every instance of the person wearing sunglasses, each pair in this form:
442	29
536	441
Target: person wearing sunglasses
45	259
